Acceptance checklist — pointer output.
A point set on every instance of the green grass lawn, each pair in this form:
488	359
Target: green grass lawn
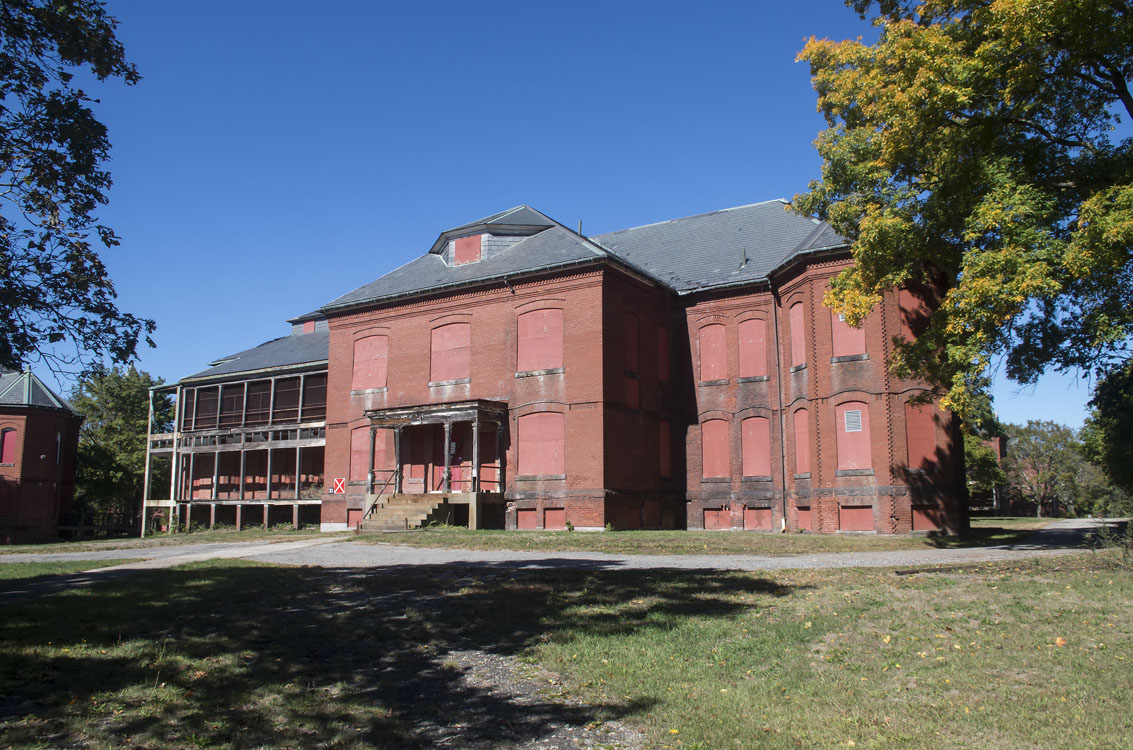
167	540
984	532
24	570
236	654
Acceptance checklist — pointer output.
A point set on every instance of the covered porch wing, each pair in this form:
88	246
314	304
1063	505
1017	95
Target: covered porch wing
452	451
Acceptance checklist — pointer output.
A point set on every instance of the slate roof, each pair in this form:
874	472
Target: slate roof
731	246
25	389
288	351
549	248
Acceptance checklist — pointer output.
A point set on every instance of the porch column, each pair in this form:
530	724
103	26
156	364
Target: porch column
500	454
370	473
243	466
295	516
448	458
266	506
397	460
215	473
298	467
269	471
476	453
240	517
212	515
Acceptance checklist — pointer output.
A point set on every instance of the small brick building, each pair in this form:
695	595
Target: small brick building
680	374
39	437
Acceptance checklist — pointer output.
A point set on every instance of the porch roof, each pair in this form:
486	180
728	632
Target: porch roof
457	411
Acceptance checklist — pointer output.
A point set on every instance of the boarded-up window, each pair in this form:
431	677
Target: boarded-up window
359	454
806	519
554	519
308	326
371	355
466	250
798	335
915	313
715	520
8	446
802	442
714	443
845	339
540	340
753	348
758	519
755	436
663	365
713	353
526	518
664	449
855	518
853	436
542	442
926	518
920	433
450	347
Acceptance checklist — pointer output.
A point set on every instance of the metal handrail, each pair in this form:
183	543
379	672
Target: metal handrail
385	484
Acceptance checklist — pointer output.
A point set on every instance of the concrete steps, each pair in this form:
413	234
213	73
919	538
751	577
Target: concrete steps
401	512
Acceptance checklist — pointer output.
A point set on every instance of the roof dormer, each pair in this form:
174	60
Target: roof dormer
479	240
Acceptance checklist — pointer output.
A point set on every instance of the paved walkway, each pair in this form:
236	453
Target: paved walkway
1059	538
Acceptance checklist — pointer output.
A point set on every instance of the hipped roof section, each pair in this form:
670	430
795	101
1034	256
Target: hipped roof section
25	389
734	246
294	351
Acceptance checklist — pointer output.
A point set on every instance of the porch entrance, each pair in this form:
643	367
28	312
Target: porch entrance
422	460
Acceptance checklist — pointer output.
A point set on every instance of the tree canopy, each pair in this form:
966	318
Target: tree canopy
114	402
971	151
55	291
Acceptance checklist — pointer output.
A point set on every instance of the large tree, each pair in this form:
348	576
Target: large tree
1043	464
114	402
971	151
57	303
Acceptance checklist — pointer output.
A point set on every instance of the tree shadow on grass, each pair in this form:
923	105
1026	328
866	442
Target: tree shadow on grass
238	655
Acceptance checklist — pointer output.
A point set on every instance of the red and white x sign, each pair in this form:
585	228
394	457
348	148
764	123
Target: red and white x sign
340	485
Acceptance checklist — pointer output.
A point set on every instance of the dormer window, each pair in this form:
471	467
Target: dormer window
466	250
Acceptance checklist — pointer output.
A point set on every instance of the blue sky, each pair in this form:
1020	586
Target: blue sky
278	154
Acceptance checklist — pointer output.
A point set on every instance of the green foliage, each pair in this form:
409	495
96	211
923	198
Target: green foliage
981	462
1048	465
1107	437
54	286
114	402
969	151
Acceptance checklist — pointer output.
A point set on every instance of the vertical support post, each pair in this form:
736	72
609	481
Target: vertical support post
302	385
149	446
500	455
244	408
192	473
295	516
271	406
266	507
240	517
243	464
370	472
476	453
298	467
212	515
448	458
397	460
269	468
216	471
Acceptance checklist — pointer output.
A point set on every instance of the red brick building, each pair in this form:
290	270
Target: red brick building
680	374
39	437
